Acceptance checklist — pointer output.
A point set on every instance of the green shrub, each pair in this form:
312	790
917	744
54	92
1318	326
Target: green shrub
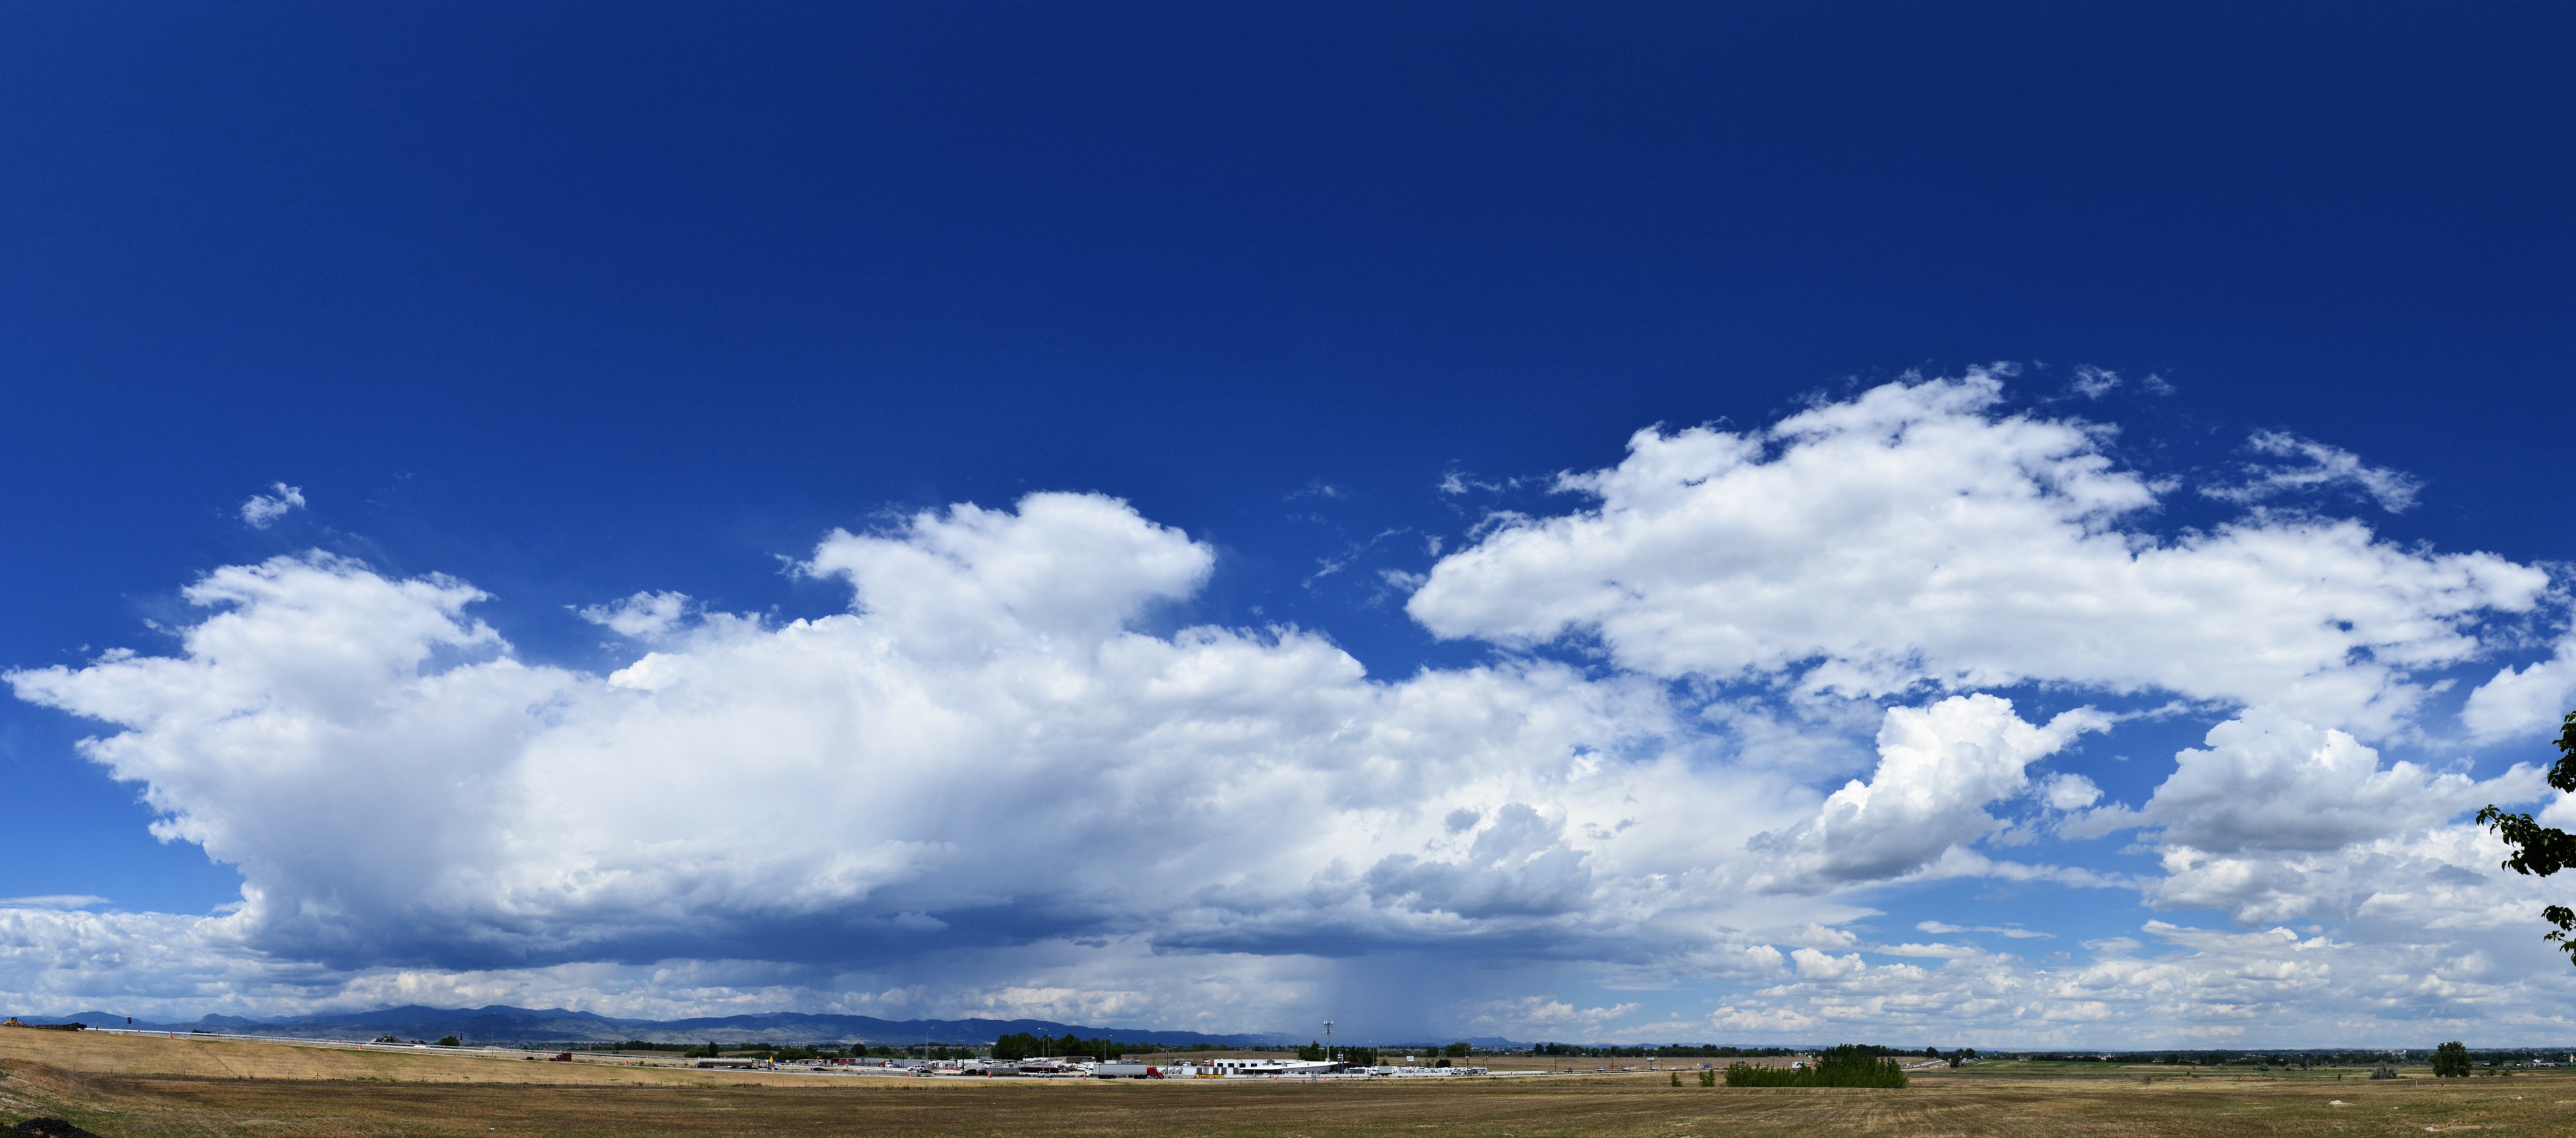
1846	1066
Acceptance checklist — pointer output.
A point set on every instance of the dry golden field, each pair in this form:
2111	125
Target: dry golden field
130	1087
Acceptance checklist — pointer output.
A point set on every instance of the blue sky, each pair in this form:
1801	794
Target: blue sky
1306	309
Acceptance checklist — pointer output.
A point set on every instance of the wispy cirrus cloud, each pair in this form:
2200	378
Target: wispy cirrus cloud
2316	466
55	901
1943	928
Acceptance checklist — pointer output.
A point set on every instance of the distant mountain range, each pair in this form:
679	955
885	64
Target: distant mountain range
502	1024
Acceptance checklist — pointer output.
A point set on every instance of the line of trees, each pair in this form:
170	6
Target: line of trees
1009	1048
2286	1060
2451	1060
1022	1045
793	1052
1845	1066
1672	1051
1355	1056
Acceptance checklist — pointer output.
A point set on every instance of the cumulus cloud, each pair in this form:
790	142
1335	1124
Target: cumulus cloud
263	510
1939	768
68	960
2216	988
163	966
1071	566
398	789
2319	467
646	616
2265	782
2427	887
1914	536
1519	864
2093	382
2524	700
998	782
2070	792
2279	820
1551	1018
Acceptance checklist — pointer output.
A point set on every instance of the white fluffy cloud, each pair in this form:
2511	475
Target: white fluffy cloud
1939	768
978	754
2190	988
2267	783
263	510
1913	536
982	788
2526	699
647	616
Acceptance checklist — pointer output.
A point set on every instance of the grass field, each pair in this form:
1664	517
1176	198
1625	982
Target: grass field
129	1087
